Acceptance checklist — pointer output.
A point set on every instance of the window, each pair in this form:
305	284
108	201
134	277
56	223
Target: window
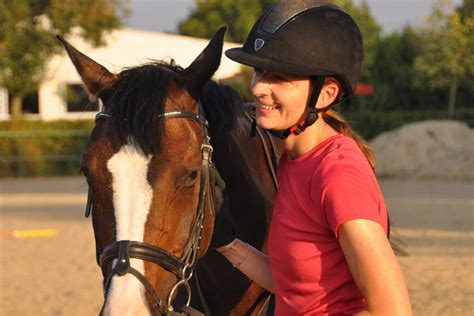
77	99
30	103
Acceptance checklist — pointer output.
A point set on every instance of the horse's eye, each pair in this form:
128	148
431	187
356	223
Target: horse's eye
193	175
191	178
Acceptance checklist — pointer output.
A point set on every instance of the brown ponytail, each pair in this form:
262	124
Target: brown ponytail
338	123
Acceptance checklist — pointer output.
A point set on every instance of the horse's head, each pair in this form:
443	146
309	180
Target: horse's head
147	165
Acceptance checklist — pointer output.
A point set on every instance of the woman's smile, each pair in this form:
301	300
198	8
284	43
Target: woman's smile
266	109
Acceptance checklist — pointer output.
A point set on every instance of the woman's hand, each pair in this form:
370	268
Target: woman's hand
374	268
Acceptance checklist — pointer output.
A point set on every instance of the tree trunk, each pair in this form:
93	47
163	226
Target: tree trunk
16	106
452	97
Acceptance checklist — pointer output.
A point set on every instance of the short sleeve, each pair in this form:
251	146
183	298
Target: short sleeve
348	193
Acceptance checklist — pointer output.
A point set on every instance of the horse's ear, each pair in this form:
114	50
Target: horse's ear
95	76
205	65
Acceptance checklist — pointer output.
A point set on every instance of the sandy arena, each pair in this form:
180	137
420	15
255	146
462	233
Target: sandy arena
58	275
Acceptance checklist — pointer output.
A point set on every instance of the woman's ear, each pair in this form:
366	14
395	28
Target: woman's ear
329	93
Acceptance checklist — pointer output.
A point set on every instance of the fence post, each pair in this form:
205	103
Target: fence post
18	157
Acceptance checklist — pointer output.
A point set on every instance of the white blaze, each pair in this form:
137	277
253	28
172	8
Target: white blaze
132	195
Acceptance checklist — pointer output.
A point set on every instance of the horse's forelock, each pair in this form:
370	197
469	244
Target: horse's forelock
136	102
139	96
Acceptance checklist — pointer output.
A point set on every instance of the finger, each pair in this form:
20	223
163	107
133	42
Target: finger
218	197
218	178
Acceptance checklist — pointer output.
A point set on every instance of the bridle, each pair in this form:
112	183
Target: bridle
182	268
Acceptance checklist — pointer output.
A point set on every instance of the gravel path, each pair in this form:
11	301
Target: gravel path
58	275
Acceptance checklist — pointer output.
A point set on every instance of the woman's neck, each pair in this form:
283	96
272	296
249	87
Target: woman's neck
297	146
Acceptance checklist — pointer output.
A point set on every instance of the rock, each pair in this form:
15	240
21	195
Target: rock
441	149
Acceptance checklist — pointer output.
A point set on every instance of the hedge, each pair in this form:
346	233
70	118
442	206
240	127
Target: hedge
370	124
37	148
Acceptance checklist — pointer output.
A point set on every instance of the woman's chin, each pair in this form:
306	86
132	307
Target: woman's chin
263	123
267	125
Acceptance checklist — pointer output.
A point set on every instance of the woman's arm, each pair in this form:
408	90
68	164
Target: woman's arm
374	268
250	261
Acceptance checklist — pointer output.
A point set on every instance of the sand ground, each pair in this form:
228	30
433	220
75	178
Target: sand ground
58	275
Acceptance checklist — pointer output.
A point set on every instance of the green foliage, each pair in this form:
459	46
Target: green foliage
54	148
447	56
393	73
208	16
28	29
38	148
447	51
466	9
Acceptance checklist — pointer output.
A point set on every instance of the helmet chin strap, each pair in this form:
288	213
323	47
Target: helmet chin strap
311	112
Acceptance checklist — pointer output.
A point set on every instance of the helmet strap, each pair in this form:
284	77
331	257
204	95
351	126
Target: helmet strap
311	111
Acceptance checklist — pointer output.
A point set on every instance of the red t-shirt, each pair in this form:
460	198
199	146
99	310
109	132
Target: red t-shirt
319	191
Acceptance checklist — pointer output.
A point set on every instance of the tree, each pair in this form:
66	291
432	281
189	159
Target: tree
466	9
208	16
27	41
446	58
392	73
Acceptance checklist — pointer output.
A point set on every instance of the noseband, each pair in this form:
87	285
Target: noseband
182	268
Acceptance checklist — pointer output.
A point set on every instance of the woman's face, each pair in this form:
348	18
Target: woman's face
280	98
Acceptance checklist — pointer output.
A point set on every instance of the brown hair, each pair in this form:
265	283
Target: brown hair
338	123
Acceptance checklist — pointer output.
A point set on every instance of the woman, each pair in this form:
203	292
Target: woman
328	248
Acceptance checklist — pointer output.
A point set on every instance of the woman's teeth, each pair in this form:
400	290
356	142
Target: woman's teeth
267	107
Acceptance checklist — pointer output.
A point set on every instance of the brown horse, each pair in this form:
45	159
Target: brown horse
147	165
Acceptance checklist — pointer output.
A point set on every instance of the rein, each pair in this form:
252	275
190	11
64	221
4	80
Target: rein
182	268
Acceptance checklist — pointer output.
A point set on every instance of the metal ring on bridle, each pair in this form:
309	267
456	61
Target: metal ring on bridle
187	272
173	294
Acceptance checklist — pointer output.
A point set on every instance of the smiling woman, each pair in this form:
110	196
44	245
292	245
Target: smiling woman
328	251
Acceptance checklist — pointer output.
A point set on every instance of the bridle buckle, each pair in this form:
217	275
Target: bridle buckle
207	150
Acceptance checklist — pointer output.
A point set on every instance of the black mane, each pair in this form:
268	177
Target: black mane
138	97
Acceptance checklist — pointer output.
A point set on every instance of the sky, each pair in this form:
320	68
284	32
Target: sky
164	15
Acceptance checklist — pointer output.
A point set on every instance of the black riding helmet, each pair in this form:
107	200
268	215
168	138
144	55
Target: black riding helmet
305	37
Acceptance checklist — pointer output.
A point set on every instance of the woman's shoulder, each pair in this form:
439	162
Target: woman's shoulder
345	158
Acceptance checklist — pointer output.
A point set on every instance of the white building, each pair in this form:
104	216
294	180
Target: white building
124	48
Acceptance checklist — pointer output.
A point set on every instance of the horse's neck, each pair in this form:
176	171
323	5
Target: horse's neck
242	164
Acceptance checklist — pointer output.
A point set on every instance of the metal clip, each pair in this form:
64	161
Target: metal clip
173	293
207	150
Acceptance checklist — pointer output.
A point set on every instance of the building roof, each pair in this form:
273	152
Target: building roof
129	47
